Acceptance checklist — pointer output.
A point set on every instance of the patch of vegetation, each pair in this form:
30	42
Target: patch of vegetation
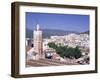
65	51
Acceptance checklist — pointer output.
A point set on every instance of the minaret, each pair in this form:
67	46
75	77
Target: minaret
37	40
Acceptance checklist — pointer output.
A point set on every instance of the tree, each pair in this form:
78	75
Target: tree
65	51
52	45
69	52
77	52
60	51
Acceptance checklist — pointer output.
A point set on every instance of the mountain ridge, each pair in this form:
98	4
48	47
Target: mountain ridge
50	32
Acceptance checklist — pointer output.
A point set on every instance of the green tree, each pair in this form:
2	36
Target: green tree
77	52
52	45
65	51
60	50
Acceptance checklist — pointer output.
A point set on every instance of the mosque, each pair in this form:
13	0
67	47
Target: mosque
39	51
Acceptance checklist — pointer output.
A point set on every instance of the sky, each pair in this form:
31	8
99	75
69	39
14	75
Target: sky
67	22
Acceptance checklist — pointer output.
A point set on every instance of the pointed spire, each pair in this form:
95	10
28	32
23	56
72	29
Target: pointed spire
37	27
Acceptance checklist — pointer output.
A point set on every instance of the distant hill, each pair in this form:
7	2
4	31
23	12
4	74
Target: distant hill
49	32
86	32
29	33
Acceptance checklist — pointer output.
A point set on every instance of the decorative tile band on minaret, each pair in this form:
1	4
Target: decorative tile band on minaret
37	40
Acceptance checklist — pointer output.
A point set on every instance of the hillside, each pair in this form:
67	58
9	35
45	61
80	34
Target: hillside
49	32
86	32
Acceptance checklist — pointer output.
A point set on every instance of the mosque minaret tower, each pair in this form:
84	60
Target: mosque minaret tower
37	41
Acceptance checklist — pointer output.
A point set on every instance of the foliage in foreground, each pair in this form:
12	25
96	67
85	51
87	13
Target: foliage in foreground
65	51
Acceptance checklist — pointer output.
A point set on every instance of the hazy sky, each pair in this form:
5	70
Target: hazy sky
67	22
